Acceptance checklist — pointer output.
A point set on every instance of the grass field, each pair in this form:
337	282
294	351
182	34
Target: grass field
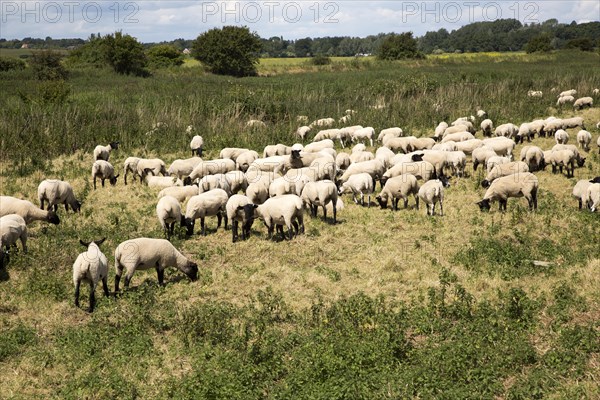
381	305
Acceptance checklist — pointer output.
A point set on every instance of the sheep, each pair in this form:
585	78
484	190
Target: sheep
233	152
27	211
57	192
458	137
103	152
359	148
467	146
144	253
211	167
552	126
375	169
448	146
300	159
421	144
90	266
564	100
396	188
511	168
196	145
496	160
397	144
302	131
564	158
455	129
456	160
518	185
320	194
168	211
255	124
157	166
487	127
322	122
104	170
183	168
205	205
440	129
358	184
130	165
437	158
13	228
580	190
571	92
217	181
525	131
431	193
593	196
583	102
276	150
240	209
289	185
364	133
244	160
467	125
535	93
481	114
282	210
481	155
420	169
534	157
584	138
507	130
237	181
574	122
394	132
332	134
315	147
361	156
160	181
501	145
384	155
342	161
561	136
181	193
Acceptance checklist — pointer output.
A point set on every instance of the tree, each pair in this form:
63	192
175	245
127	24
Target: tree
397	47
164	56
46	65
542	43
232	50
583	44
124	54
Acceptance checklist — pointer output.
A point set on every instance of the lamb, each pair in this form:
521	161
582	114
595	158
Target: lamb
420	169
481	155
282	210
205	205
320	194
57	192
130	165
580	190
593	196
511	168
315	147
487	127
361	156
364	133
496	160
103	152
168	211
564	100
196	144
534	157
13	228
584	138
583	102
211	167
240	209
358	184
399	187
244	160
181	193
302	131
144	253
233	152
393	132
432	192
155	164
561	136
523	184
342	161
458	137
26	210
91	266
571	92
183	168
104	170
507	130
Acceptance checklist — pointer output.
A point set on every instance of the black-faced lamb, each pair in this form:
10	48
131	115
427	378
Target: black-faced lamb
104	170
157	166
240	209
146	253
204	205
57	192
524	184
91	266
27	211
103	152
396	188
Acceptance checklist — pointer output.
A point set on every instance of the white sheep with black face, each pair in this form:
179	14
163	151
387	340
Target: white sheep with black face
396	188
104	170
240	210
168	211
211	203
91	266
583	102
593	196
359	184
26	210
320	194
432	193
282	210
584	138
196	145
13	228
524	184
57	192
103	152
580	190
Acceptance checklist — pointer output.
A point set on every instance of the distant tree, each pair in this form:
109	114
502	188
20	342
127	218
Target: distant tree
164	56
124	54
232	50
540	43
397	47
320	59
583	44
46	65
302	47
9	63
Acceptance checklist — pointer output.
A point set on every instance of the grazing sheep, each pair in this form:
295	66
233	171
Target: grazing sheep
361	156
196	144
467	146
580	190
456	160
364	133
57	192
456	128
584	138
211	167
26	210
276	150
571	92
593	197
359	148
13	228
302	131
523	184
322	122
467	125
431	193
91	266
496	160
320	194
534	158
439	130
420	169
103	152
394	132
399	144
501	145
181	193
104	170
552	126
145	253
244	160
574	122
481	155
375	168
448	146
332	134
507	130
421	144
511	168
237	181
217	181
240	210
286	185
157	166
561	136
282	210
535	93
358	184
564	158
525	132
399	187
130	165
168	211
583	102
205	205
564	100
487	127
385	155
342	161
160	181
437	158
233	152
316	147
183	168
458	137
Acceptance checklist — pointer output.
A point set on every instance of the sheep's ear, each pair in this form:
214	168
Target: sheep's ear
116	176
99	242
84	244
255	205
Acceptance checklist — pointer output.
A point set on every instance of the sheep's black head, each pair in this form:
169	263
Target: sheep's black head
86	244
53	218
189	224
417	157
580	162
595	180
295	154
187	181
113	180
382	203
114	145
248	213
485	183
484	205
445	181
383	180
191	270
77	206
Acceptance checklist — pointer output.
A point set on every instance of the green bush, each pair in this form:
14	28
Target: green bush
164	56
540	43
8	64
399	47
320	59
46	65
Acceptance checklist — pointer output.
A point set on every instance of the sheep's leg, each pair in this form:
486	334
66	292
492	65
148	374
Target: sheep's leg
94	185
42	203
325	213
293	230
92	297
405	203
580	204
441	209
77	293
417	201
23	239
105	286
334	213
161	275
219	219
55	206
102	182
301	222
203	227
362	199
369	205
234	231
226	220
172	228
66	207
270	230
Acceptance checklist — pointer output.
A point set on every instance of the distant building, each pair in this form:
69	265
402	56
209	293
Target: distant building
24	46
187	52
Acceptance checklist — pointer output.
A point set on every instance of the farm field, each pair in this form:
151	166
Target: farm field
381	305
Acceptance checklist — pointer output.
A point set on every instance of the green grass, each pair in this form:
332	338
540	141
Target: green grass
382	305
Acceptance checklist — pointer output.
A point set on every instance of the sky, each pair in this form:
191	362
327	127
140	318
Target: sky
155	21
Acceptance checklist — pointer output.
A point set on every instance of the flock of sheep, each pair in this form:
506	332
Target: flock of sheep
283	182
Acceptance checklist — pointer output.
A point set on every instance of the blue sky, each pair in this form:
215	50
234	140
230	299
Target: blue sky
153	21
